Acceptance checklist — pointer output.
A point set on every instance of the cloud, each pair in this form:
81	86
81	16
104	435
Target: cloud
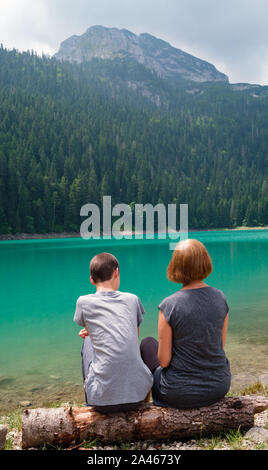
23	25
231	34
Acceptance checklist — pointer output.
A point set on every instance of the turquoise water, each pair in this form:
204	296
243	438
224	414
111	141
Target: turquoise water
41	280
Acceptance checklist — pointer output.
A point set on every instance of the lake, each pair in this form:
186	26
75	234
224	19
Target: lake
41	280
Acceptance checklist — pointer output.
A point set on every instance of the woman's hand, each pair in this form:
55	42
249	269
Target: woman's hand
83	333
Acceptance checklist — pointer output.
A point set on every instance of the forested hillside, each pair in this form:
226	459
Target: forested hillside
71	133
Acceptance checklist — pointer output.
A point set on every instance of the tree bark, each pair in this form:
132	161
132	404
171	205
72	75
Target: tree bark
66	426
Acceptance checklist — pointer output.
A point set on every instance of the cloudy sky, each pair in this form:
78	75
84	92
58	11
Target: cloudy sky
231	34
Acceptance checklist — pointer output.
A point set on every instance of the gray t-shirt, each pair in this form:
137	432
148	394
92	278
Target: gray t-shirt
117	373
199	372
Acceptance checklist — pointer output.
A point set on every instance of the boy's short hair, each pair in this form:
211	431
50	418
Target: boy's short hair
102	267
190	262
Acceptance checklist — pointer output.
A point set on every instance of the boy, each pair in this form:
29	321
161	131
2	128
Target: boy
115	376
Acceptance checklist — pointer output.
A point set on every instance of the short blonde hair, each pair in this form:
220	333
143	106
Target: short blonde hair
190	262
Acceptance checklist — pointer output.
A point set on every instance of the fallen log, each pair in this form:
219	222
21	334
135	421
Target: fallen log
66	426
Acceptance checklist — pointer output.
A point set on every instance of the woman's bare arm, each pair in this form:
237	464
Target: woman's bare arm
165	341
224	331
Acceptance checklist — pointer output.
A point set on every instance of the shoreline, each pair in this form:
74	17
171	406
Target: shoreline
54	235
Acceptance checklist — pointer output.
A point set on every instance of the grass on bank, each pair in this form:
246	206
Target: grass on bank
233	439
12	420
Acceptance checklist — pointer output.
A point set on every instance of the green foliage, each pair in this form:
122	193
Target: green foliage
12	420
235	438
70	134
254	389
90	444
8	444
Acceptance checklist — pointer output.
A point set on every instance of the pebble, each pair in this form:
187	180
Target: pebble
15	437
257	435
261	419
3	435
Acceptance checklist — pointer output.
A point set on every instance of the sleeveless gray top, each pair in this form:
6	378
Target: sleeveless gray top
199	372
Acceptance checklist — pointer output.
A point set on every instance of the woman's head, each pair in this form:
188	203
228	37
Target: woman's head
190	262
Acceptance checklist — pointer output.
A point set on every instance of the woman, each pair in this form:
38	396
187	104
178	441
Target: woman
189	363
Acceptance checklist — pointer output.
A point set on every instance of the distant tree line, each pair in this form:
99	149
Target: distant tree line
71	134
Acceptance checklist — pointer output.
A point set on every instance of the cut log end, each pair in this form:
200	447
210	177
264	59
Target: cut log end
69	426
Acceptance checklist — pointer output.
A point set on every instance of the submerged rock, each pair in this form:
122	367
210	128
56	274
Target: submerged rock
25	403
6	381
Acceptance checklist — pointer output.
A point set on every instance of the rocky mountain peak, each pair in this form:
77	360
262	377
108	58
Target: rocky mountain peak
157	55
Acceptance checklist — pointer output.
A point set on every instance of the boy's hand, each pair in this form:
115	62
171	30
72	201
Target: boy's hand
83	333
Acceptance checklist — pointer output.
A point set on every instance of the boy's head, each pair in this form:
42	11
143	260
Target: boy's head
104	267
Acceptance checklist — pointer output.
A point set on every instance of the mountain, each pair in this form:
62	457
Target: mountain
71	133
99	42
